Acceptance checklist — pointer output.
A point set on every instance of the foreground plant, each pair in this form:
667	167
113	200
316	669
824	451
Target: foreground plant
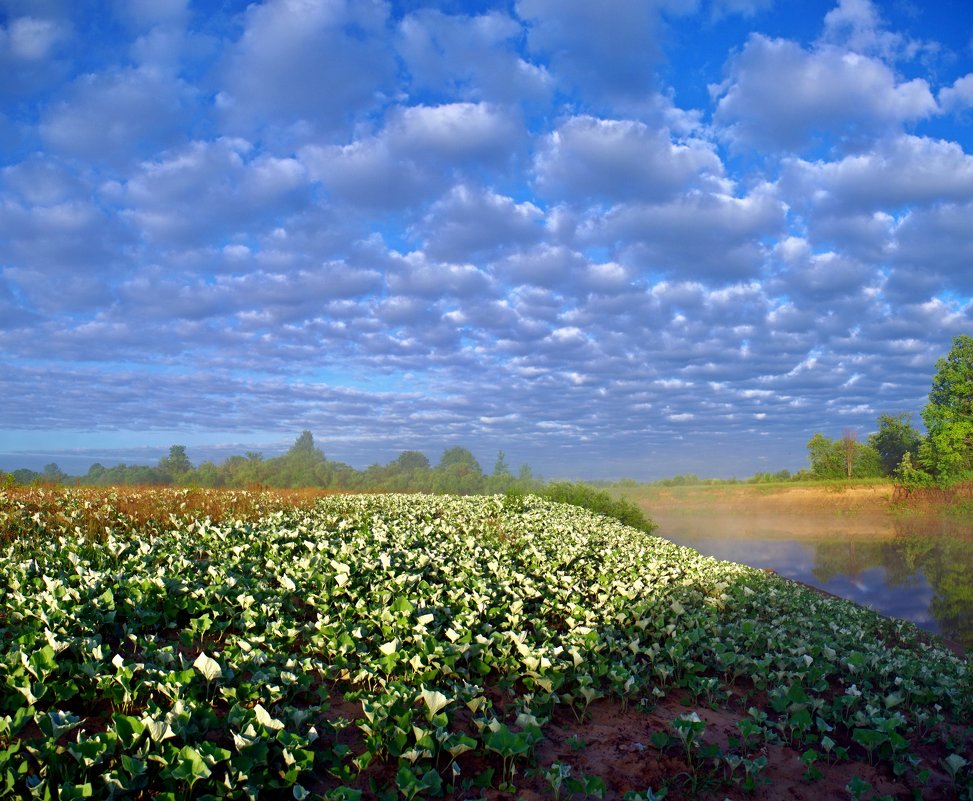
420	646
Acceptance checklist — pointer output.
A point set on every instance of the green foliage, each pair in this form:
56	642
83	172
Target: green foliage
842	458
911	475
947	451
500	468
196	659
305	466
681	480
54	474
598	501
459	457
409	461
825	457
458	473
896	436
176	464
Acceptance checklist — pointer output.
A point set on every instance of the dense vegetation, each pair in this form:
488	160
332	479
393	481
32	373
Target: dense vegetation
421	646
879	456
304	466
942	458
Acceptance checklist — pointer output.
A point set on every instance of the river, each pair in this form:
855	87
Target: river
917	568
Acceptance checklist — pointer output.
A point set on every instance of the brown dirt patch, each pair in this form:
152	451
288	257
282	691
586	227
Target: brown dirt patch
614	743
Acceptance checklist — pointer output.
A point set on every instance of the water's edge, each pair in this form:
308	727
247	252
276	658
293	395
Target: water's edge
916	568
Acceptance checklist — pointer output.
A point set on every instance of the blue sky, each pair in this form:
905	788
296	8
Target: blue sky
629	238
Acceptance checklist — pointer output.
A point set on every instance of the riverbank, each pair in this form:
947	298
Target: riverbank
828	498
846	540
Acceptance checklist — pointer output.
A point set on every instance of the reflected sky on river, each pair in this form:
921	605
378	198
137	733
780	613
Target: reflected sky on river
918	569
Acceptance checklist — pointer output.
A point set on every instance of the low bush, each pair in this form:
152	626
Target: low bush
598	501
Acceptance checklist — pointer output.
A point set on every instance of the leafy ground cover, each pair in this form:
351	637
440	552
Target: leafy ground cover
428	646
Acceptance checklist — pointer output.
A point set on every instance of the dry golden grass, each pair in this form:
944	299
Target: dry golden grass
762	499
96	510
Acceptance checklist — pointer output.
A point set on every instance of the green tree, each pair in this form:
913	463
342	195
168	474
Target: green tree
459	457
304	444
458	472
896	436
842	458
409	461
825	457
176	464
251	471
94	474
500	468
304	465
409	472
501	479
849	450
208	475
54	474
947	451
24	476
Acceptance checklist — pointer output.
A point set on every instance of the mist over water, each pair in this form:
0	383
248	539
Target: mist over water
918	569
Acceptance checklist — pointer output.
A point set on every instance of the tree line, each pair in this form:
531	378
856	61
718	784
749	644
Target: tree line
305	465
879	455
943	457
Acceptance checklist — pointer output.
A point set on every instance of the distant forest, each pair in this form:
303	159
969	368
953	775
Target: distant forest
304	465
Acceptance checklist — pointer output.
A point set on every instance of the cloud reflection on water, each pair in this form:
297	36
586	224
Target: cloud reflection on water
917	570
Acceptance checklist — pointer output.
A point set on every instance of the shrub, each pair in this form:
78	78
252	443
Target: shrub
597	501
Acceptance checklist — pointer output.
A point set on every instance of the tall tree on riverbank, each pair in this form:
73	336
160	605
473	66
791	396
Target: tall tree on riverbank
842	458
896	436
947	451
849	447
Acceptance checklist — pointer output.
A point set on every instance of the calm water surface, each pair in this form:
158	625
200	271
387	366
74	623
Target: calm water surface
919	569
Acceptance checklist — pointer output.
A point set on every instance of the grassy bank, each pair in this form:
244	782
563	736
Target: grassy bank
419	646
817	497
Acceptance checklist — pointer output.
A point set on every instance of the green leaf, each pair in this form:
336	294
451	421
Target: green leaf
954	763
56	723
69	792
92	750
42	662
435	700
460	745
869	738
159	730
209	667
190	766
132	766
505	742
265	719
402	604
129	729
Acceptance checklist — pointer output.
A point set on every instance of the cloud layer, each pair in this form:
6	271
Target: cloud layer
408	227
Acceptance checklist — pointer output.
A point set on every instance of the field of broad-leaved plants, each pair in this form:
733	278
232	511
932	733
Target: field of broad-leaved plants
187	645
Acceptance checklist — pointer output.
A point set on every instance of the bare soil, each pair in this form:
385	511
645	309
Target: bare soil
614	743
